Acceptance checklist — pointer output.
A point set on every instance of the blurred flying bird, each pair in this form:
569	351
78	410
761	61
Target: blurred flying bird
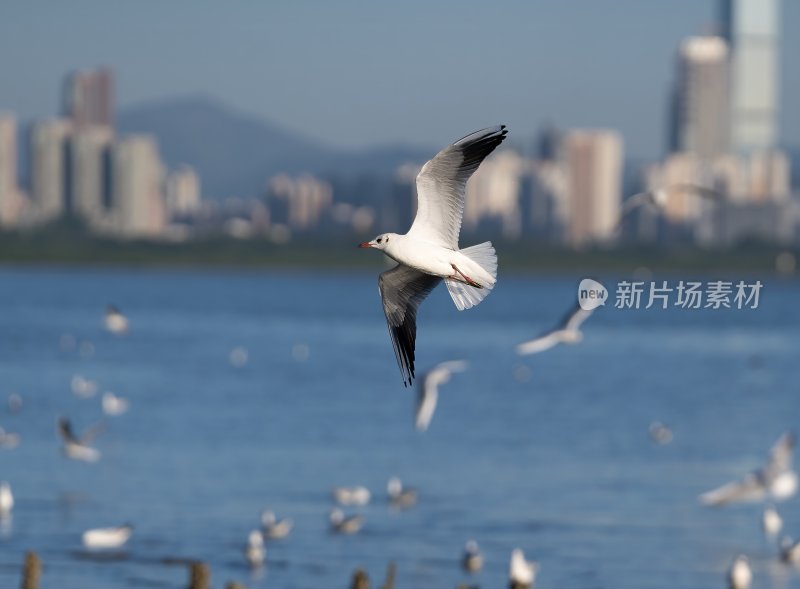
658	198
400	496
273	527
472	560
521	573
345	525
114	405
428	391
115	321
777	480
254	550
6	499
660	433
103	538
351	495
790	550
8	440
739	575
771	522
429	251
567	332
77	448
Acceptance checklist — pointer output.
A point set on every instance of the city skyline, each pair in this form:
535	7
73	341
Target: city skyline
364	75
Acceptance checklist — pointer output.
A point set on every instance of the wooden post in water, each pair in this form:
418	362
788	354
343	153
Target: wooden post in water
360	580
235	585
31	571
199	576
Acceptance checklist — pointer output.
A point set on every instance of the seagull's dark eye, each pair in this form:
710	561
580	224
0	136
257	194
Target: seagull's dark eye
378	240
387	240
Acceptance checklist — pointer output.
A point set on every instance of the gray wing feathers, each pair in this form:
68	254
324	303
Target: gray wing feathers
402	290
441	184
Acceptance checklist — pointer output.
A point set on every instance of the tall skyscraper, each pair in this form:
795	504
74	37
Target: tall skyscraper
89	98
700	112
48	168
752	28
137	198
593	159
89	174
9	190
183	192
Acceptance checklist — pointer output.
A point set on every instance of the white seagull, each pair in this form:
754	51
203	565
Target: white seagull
6	500
400	496
429	251
777	480
273	527
771	522
115	321
75	447
114	405
521	573
428	391
656	199
254	550
357	495
472	561
104	538
739	575
567	332
345	525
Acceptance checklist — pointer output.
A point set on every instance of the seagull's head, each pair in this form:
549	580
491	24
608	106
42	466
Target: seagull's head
379	243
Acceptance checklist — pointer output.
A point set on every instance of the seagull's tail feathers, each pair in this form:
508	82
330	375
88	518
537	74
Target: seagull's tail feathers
481	267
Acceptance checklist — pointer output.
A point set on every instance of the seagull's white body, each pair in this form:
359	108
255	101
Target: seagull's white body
771	522
400	496
254	550
83	387
100	538
520	571
429	252
275	528
351	495
472	561
428	391
345	525
777	480
115	321
568	332
740	576
114	405
6	499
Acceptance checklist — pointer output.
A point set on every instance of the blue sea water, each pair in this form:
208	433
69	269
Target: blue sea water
548	453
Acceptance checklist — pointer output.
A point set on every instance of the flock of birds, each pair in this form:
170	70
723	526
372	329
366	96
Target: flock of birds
427	255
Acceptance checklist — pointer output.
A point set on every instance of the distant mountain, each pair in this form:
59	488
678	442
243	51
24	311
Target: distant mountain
235	153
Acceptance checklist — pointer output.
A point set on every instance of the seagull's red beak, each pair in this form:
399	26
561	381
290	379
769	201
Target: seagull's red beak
365	244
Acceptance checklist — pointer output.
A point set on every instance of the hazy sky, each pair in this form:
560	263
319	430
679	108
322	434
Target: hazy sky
353	73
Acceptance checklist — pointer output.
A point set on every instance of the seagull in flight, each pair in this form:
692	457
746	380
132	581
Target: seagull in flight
115	321
656	199
567	332
776	480
428	391
429	252
77	447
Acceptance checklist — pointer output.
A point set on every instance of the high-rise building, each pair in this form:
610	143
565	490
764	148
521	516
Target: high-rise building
9	190
137	198
183	192
298	202
89	175
752	28
492	195
48	168
89	98
593	160
700	112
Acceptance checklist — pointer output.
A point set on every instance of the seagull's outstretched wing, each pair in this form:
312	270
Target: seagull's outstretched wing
540	344
441	184
92	432
704	191
780	456
751	488
65	430
402	290
575	318
428	391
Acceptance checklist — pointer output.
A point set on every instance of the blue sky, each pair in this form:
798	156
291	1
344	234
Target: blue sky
355	73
